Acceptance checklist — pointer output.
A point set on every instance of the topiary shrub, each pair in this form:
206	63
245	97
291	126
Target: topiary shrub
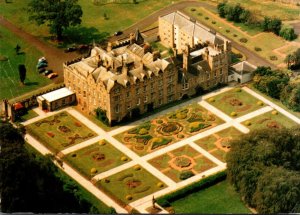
238	90
129	197
137	168
197	126
186	174
207	18
106	180
274	112
181	115
193	9
160	184
248	123
213	22
257	49
260	103
211	100
159	121
180	136
159	141
233	114
124	158
243	40
74	155
234	35
199	14
93	171
143	131
227	30
102	142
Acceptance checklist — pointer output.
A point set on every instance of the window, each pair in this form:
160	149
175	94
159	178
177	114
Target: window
170	98
137	91
160	83
170	79
145	89
117	90
117	98
169	89
63	101
146	99
160	101
160	93
117	108
138	101
185	86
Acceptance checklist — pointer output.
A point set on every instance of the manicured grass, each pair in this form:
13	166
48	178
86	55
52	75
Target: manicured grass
269	120
9	74
218	199
236	101
102	156
251	30
29	115
94	26
132	182
60	131
266	41
192	160
168	129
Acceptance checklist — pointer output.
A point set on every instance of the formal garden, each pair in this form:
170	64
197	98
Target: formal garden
96	158
168	129
218	144
130	184
235	102
60	131
272	119
182	163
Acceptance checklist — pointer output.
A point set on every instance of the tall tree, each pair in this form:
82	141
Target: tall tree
22	72
57	14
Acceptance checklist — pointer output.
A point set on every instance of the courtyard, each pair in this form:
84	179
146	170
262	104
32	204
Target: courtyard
128	165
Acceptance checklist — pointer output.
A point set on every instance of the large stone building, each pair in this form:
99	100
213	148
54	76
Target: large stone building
131	79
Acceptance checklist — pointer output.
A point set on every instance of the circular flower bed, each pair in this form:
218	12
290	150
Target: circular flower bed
98	156
169	128
235	102
182	162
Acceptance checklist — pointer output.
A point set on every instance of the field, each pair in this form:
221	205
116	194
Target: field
235	102
9	75
267	42
168	129
96	158
272	119
130	184
60	131
218	199
182	163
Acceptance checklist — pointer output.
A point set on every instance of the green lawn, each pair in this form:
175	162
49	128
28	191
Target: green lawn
94	26
218	199
9	75
29	115
60	131
270	120
130	184
102	156
235	100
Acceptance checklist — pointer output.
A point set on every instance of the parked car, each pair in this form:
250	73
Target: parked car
48	72
70	49
117	33
42	69
52	75
41	65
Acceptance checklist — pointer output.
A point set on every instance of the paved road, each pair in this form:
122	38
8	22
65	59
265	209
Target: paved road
55	56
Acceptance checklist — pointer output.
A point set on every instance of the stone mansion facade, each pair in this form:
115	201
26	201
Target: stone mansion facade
130	79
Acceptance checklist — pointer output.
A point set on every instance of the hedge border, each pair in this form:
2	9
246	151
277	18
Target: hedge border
165	200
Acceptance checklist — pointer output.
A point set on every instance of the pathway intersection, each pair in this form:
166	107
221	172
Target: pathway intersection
143	203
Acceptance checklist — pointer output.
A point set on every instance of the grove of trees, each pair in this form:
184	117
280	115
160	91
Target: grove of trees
293	60
32	183
264	168
58	14
237	13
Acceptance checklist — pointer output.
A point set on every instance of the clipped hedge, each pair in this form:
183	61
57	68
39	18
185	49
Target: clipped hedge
165	200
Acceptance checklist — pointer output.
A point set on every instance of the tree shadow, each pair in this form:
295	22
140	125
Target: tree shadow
31	83
83	35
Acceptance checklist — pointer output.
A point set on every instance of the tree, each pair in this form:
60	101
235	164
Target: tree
287	33
17	49
57	14
290	60
22	73
290	96
264	167
221	9
272	25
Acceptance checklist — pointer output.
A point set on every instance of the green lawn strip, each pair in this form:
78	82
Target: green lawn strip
29	115
59	140
85	159
269	120
275	101
251	30
217	199
266	41
9	74
130	184
222	102
103	208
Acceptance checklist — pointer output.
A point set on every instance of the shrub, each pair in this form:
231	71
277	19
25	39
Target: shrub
233	113
93	171
181	115
160	184
207	18
180	136
102	142
196	126
199	14
158	141
124	158
106	180
248	123
211	99
260	103
227	30
234	35
74	155
238	90
243	40
137	168
274	112
273	58
194	187
186	174
129	197
159	121
213	22
143	131
193	9
257	49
